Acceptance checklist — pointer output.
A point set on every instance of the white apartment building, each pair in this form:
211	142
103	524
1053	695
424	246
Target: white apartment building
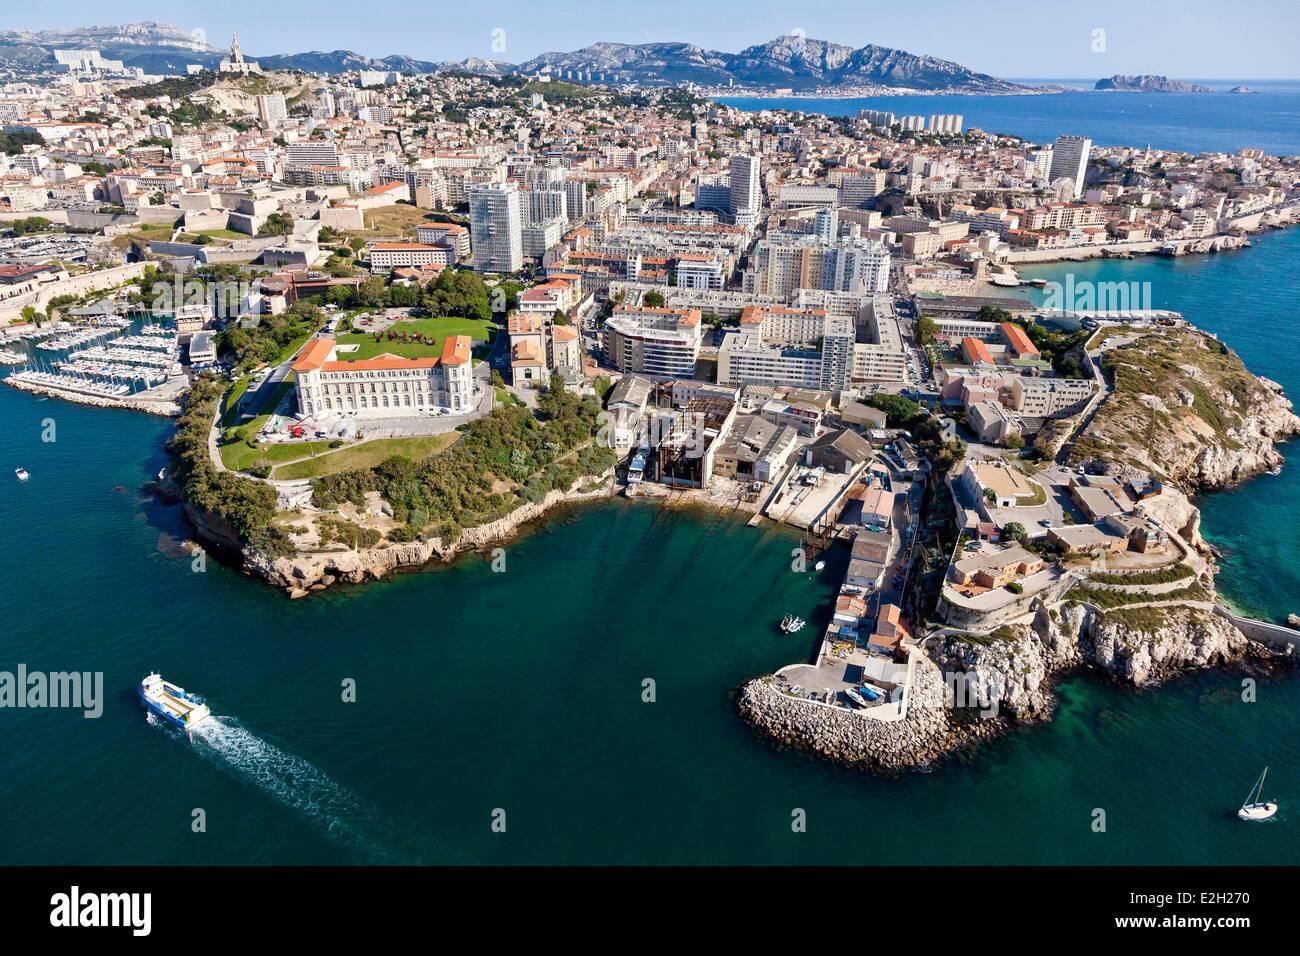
387	386
861	186
697	271
802	348
445	234
879	357
544	205
537	237
785	262
1070	160
387	256
745	194
660	343
311	154
1049	397
271	110
496	228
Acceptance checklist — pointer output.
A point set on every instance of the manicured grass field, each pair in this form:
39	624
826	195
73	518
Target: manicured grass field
477	329
236	453
365	455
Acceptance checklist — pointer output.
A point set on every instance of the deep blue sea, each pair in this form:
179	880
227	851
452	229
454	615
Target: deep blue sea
1193	122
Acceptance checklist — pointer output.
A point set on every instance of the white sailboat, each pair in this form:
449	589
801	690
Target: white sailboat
1256	808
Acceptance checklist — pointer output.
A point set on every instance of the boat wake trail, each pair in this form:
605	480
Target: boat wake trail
299	785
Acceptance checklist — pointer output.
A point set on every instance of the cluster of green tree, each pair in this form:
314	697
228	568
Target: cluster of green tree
266	341
276	224
194	114
176	87
22	227
458	489
339	530
244	505
455	292
13	143
925	329
925	429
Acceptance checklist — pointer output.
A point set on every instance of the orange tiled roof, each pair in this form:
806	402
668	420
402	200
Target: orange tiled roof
314	355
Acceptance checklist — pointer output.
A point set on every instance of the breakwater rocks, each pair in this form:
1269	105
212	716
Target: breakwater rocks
999	680
300	574
148	406
836	734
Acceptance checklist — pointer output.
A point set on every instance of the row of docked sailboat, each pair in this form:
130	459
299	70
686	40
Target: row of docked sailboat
73	382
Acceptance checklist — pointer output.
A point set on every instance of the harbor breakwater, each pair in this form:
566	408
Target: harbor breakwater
973	688
166	409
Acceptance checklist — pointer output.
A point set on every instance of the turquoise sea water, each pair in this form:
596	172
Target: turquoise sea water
522	691
1195	122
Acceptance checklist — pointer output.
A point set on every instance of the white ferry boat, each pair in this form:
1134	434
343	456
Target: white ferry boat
172	703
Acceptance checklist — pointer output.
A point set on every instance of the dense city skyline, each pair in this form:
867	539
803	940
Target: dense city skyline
1183	41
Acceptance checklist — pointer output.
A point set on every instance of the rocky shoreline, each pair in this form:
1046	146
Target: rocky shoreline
1005	683
301	574
164	409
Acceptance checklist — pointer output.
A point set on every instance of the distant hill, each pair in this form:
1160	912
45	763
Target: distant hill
787	62
1149	83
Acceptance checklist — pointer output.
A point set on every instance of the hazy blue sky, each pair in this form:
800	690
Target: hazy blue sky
1252	39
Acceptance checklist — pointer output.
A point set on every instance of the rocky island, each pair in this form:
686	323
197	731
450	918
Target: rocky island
1148	83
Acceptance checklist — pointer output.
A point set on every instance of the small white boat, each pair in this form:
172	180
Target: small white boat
791	624
819	565
172	703
853	695
1255	808
21	474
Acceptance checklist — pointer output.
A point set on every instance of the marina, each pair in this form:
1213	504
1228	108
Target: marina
98	360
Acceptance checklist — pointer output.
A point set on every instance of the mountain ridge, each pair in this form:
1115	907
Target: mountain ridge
786	62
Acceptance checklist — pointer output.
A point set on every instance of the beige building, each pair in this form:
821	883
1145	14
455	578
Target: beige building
388	386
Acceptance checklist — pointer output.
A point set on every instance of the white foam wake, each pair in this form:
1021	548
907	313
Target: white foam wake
298	784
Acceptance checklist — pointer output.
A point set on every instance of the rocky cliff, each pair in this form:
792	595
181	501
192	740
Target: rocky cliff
998	680
1016	665
1184	407
299	574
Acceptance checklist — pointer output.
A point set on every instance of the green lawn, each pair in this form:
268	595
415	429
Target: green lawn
365	455
439	329
231	401
222	234
236	453
506	397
